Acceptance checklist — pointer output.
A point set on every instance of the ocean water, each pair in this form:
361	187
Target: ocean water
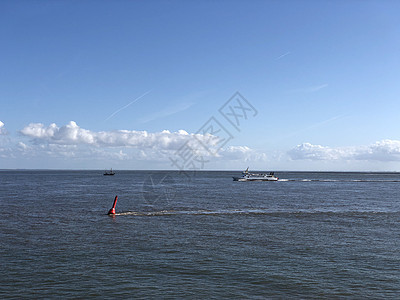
199	235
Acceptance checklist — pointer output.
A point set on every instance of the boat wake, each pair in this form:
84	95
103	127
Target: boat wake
337	180
193	212
250	212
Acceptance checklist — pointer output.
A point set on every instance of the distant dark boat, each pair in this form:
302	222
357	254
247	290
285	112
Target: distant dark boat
109	173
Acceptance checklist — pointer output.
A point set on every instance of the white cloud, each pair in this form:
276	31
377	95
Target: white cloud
3	130
385	150
22	146
314	152
72	134
243	153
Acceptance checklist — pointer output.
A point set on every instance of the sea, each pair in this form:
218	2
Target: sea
199	235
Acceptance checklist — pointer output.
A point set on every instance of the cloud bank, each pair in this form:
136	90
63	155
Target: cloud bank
72	134
385	150
71	140
72	144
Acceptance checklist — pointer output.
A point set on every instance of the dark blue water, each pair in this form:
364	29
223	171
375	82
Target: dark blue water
313	235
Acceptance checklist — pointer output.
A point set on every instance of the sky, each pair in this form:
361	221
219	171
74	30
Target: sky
200	85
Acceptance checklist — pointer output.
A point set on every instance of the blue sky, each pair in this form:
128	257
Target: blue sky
127	82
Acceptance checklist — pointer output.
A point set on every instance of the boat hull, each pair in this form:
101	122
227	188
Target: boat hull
254	179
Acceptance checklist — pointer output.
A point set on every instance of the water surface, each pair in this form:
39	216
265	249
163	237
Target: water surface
200	235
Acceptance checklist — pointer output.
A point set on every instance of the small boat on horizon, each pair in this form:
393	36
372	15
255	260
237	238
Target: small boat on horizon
110	173
246	176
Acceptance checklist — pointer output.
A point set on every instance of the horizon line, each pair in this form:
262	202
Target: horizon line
192	171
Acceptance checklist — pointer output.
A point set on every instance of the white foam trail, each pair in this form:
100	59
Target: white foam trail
248	212
195	212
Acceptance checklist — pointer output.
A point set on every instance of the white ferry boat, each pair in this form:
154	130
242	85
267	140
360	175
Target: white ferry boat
246	176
